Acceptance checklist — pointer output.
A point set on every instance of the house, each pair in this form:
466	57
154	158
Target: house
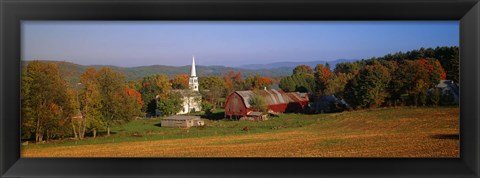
238	103
450	91
328	103
182	121
191	97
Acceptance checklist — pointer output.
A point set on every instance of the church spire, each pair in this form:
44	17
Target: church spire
193	82
194	73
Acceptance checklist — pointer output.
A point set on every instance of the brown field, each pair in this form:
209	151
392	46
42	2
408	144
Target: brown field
413	132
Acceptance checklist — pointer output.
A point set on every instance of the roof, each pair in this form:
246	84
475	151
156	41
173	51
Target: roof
255	113
181	118
444	83
448	84
273	96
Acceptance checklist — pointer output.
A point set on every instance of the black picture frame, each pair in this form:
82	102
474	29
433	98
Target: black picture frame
14	11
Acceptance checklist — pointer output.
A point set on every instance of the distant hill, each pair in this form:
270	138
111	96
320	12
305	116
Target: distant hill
291	65
71	71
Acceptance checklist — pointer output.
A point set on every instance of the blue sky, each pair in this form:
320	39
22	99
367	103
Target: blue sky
140	43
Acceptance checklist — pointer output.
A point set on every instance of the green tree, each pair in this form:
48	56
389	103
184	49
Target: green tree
170	104
434	97
258	103
207	107
368	88
111	84
287	84
337	84
303	69
153	87
213	89
90	102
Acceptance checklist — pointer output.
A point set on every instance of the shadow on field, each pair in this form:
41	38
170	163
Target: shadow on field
158	124
446	136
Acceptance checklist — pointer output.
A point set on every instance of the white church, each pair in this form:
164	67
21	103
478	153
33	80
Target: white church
191	97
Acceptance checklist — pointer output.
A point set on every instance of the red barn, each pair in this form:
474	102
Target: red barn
237	103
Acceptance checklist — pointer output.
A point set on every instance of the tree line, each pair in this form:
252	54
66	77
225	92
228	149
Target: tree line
395	79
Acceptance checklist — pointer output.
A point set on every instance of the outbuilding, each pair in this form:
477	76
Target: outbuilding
182	121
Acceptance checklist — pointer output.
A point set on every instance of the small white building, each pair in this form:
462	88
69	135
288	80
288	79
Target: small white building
192	99
182	121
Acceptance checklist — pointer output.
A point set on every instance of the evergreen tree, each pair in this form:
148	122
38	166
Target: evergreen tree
368	88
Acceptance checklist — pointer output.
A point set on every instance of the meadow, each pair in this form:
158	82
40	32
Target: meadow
387	132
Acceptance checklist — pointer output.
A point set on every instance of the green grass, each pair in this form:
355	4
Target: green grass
150	130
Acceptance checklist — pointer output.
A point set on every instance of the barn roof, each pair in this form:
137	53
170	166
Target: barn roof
273	96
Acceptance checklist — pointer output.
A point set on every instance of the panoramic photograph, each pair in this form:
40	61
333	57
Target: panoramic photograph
259	89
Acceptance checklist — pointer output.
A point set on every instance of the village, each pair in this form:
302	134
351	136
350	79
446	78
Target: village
354	106
238	104
162	89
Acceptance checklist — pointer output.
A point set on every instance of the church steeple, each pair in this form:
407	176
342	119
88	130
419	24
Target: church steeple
194	73
193	82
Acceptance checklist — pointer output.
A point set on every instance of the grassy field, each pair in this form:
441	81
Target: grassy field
393	132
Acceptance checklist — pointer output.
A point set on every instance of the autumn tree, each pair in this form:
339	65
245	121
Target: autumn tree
131	104
180	82
46	101
322	77
415	77
257	82
233	82
135	95
448	57
135	84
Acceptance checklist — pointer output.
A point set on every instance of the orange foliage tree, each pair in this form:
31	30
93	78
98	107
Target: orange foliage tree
180	81
134	94
323	76
233	81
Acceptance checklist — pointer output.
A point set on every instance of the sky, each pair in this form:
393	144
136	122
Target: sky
234	43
